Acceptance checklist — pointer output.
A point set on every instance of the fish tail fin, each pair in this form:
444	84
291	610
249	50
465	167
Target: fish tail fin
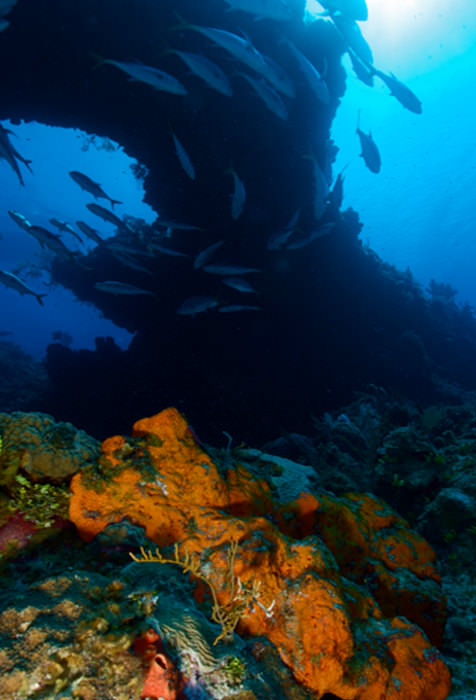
27	163
114	201
39	298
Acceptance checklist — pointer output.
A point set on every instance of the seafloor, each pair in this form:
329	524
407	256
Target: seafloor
333	565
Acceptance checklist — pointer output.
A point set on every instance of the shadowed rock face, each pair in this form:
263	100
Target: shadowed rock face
334	318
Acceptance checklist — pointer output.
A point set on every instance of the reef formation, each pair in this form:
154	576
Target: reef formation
232	590
331	317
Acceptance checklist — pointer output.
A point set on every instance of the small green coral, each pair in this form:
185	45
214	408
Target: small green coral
41	504
235	668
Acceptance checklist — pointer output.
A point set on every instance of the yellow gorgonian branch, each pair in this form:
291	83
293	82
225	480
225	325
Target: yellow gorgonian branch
240	595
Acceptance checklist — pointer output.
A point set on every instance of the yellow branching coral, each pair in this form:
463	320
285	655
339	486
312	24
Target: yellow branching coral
240	596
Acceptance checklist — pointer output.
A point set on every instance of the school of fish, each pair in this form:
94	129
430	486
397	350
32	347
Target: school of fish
273	88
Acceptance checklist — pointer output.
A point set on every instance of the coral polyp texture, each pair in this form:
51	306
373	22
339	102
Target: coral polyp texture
340	587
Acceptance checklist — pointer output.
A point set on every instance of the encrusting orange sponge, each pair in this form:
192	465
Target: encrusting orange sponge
340	586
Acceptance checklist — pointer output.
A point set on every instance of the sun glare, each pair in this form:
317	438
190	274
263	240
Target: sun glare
414	36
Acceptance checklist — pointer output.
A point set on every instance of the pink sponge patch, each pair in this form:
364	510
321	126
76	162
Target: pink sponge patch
17	530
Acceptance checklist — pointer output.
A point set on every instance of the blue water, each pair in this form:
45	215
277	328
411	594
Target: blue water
417	212
428	174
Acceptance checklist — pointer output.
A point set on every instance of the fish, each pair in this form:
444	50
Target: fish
170	226
242	49
4	24
268	95
231	308
92	187
121	288
197	305
401	92
241	285
20	220
238	197
351	9
278	78
336	194
66	228
167	251
149	75
183	158
239	47
106	215
278	239
313	77
353	37
370	152
205	255
229	270
208	71
127	261
113	245
10	154
311	237
363	72
263	9
13	282
50	240
89	231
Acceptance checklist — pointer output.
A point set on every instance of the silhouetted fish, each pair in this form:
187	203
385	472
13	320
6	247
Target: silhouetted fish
206	255
263	9
268	95
352	9
313	77
370	152
10	154
13	282
233	308
400	91
184	158
208	71
20	220
65	228
50	240
121	288
90	186
354	38
229	270
154	77
238	197
89	231
197	305
105	214
240	284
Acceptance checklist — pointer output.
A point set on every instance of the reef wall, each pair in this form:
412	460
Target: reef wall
332	318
